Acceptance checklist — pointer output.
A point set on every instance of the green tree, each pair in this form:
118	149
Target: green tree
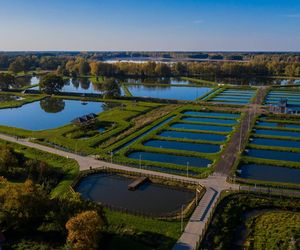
51	83
84	230
83	68
16	67
8	159
6	80
22	206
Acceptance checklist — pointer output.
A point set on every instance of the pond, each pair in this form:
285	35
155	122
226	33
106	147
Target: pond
168	92
198	147
192	136
170	158
270	173
277	132
149	198
48	113
209	120
276	143
274	155
277	124
80	85
201	127
213	114
223	99
157	80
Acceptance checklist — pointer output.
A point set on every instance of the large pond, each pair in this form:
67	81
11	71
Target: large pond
201	127
152	199
212	114
192	136
277	132
276	143
209	120
198	147
157	80
48	113
168	92
270	173
81	85
277	124
170	158
274	155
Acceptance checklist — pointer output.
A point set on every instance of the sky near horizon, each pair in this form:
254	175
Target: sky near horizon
180	25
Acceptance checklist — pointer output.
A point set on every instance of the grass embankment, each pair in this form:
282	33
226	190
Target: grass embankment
126	231
68	166
229	221
23	99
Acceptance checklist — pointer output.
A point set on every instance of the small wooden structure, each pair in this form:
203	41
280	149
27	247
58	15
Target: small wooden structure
137	182
85	119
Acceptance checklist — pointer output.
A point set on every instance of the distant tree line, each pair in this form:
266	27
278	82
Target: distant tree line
81	65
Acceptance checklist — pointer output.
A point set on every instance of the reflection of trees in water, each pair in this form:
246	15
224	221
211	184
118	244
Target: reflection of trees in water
52	105
85	83
75	82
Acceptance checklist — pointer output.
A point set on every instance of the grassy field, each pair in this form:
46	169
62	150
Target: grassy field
133	232
18	103
263	234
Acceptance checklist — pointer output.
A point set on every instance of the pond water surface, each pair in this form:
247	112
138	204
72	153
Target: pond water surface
210	120
270	173
168	92
201	127
198	147
170	158
192	136
274	155
277	132
155	199
213	114
276	143
48	113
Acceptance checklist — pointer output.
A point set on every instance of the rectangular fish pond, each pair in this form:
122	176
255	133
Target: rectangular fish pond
173	147
48	113
270	173
149	198
273	155
183	93
233	96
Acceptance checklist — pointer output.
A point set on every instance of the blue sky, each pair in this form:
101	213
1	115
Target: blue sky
209	25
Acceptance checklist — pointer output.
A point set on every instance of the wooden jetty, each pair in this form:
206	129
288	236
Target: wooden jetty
137	182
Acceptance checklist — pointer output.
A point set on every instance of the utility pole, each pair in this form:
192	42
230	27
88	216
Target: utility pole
140	161
187	169
181	218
